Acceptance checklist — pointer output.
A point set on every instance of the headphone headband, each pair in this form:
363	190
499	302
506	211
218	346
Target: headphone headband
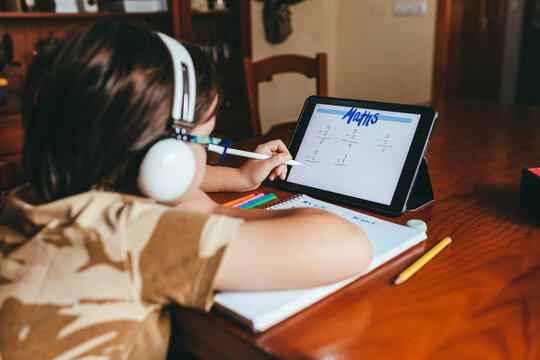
183	108
169	166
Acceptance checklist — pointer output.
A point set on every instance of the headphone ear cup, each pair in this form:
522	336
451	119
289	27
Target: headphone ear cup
167	170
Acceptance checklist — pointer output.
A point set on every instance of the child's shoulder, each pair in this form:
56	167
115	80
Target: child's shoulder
110	221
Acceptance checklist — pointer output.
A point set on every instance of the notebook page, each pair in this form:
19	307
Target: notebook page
375	228
263	309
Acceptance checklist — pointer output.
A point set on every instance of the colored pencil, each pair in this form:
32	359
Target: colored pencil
417	265
232	202
243	202
262	200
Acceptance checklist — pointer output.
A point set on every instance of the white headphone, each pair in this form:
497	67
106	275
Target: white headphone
168	167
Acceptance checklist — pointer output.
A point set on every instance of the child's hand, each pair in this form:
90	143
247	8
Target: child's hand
255	171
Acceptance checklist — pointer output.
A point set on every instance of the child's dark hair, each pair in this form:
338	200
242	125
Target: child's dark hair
95	100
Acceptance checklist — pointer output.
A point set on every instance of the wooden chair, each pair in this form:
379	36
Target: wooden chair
263	70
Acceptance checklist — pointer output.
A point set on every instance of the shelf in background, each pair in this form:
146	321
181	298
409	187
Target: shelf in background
226	32
88	15
200	13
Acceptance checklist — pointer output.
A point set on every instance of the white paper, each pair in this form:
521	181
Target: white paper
263	309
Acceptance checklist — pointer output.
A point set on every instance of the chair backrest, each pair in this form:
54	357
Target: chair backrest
263	70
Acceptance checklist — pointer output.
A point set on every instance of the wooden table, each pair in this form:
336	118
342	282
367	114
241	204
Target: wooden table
478	299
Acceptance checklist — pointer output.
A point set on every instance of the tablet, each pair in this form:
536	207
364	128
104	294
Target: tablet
364	154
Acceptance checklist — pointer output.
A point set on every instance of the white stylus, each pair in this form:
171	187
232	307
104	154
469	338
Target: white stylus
247	154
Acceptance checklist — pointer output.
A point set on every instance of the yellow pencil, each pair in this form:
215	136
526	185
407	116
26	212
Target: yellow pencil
417	265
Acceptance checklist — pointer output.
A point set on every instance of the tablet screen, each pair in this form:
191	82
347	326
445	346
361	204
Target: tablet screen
354	151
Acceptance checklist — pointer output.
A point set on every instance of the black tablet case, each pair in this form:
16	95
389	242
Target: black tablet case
422	191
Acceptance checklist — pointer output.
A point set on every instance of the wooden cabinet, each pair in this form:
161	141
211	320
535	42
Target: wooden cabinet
230	26
11	142
225	34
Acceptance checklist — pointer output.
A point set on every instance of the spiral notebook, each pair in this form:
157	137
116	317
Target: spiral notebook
262	309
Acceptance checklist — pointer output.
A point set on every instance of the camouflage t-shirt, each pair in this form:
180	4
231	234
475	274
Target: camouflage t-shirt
88	276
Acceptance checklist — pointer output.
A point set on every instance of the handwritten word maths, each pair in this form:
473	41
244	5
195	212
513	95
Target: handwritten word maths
365	119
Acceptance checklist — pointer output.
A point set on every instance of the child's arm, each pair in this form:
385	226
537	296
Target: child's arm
250	175
292	248
200	201
307	247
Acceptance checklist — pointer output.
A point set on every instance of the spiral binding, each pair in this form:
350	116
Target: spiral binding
282	202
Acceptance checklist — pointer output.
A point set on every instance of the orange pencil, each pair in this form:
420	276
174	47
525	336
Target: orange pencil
232	202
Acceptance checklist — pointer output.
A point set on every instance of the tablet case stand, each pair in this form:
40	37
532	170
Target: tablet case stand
422	191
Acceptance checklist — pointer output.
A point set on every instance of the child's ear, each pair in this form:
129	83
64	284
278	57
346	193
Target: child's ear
206	128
